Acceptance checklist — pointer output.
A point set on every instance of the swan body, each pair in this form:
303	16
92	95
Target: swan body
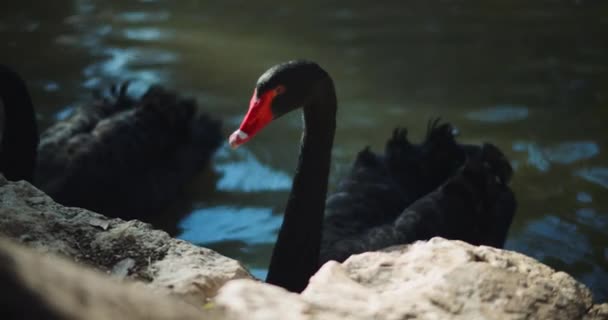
118	156
19	128
410	192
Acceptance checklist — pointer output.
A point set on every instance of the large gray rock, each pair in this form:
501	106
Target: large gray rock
438	279
598	312
36	286
127	249
401	283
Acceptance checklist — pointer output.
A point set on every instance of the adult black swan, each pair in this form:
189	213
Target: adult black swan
411	192
118	156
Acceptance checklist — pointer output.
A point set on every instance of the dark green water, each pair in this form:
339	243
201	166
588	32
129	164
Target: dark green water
531	77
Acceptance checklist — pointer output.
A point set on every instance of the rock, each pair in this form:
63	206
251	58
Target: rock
38	286
194	273
598	312
438	279
123	267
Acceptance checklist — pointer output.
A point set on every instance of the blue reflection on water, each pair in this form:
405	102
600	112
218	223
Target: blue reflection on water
555	231
51	86
146	34
64	113
120	63
584	197
562	153
536	158
568	242
590	218
596	280
141	16
223	223
570	152
259	273
597	175
242	171
117	64
233	228
498	114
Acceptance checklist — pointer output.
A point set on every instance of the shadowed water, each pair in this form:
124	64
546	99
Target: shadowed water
532	77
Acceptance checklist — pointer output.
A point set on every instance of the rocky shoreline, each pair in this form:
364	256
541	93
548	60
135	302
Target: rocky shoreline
70	263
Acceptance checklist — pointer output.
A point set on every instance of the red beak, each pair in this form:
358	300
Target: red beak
258	116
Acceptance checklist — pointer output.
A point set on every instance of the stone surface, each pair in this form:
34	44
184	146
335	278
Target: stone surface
129	248
438	279
36	286
598	312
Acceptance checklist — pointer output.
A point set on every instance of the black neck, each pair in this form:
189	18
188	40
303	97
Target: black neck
296	252
20	133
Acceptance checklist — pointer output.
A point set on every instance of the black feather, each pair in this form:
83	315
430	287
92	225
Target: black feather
417	191
126	157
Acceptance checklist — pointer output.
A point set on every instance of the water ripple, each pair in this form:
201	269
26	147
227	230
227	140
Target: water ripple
64	113
146	34
584	197
597	175
562	153
591	218
499	114
142	16
242	171
119	65
560	239
224	223
570	152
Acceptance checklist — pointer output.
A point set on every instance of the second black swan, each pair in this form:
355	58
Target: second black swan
411	192
119	156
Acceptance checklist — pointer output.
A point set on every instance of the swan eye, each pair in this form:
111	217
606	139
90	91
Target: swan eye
279	89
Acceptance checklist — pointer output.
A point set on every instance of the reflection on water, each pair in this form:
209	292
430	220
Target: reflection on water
500	114
596	175
64	113
563	153
241	171
569	245
51	86
252	225
146	34
547	227
143	17
528	76
591	218
584	197
141	65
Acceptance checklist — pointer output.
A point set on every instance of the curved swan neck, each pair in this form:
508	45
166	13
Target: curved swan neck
19	131
296	252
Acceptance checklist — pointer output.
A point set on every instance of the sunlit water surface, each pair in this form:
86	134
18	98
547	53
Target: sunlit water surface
530	77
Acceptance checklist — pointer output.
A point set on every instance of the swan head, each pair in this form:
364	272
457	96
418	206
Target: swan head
281	89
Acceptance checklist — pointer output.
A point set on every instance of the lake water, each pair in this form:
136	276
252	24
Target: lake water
532	77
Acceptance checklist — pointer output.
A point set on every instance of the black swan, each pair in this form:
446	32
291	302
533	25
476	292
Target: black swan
119	156
411	192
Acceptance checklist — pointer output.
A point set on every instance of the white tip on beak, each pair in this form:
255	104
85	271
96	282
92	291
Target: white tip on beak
237	138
